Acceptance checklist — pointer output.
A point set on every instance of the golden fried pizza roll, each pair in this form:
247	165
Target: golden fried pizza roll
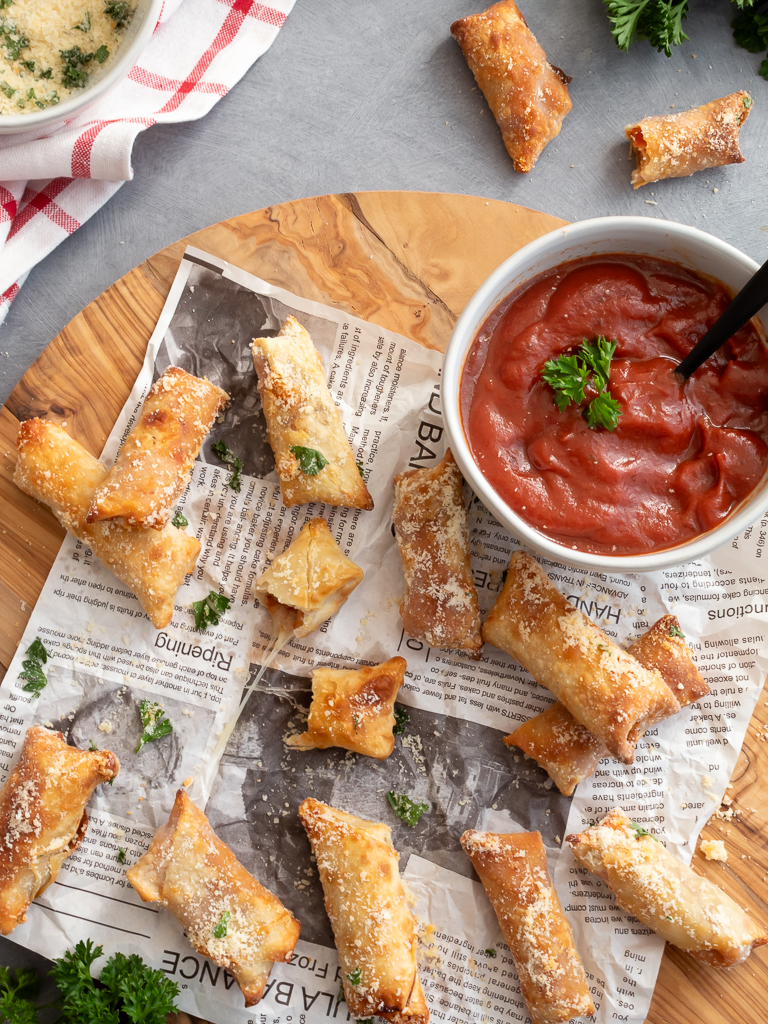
310	581
605	689
663	893
228	916
43	817
513	870
374	929
312	453
440	604
676	145
353	709
155	463
527	95
56	470
663	647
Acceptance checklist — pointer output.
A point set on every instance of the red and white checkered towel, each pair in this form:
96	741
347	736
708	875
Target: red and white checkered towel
54	179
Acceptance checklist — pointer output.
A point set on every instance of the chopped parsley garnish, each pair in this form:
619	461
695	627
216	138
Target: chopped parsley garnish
118	11
341	998
310	460
209	610
121	855
7	89
92	745
75	60
355	976
47	73
491	953
85	24
220	931
154	723
5	3
32	668
360	469
179	521
676	631
233	464
28	64
354	721
406	809
402	718
568	376
101	54
12	39
640	832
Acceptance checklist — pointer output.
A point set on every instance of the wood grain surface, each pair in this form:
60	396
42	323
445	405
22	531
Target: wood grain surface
408	261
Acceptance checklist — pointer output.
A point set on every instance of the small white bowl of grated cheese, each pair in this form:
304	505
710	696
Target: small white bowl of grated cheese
57	57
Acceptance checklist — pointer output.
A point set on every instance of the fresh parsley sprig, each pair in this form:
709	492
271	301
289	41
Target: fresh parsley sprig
310	460
676	631
154	723
179	521
641	832
16	988
402	718
569	376
406	809
209	610
233	463
36	679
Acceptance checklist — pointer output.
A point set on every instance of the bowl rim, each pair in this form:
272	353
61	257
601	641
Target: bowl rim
16	124
463	335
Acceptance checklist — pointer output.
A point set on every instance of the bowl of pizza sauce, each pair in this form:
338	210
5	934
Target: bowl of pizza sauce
564	411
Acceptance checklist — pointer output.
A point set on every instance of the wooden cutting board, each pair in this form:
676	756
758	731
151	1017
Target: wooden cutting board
408	261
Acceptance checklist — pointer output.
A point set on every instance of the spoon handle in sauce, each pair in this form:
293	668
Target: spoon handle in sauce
752	297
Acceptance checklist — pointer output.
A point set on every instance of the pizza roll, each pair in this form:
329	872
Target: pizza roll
312	453
43	817
676	145
309	582
353	709
55	469
373	926
513	870
665	894
605	689
155	463
527	95
440	604
567	751
228	916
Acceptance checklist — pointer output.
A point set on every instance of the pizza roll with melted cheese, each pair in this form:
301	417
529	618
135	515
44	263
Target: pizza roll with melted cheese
665	894
43	817
304	423
227	914
527	95
513	870
309	582
155	463
374	929
676	145
440	604
567	751
353	709
605	689
56	470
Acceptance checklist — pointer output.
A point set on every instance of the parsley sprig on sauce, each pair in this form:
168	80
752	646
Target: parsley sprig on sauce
569	376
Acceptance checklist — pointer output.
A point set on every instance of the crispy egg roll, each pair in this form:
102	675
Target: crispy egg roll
56	470
527	95
676	145
605	689
374	929
310	581
663	893
302	418
513	870
353	709
227	914
440	604
154	465
43	817
567	751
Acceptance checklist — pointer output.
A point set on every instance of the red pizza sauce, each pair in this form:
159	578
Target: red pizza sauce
684	455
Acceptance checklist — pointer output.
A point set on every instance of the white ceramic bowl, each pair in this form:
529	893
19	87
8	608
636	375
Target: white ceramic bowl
100	80
689	247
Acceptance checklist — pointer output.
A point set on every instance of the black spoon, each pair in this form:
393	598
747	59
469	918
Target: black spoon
752	297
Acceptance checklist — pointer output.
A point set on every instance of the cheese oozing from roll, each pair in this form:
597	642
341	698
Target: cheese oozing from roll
56	470
665	894
374	929
154	465
353	709
513	870
227	914
43	817
605	689
440	605
301	414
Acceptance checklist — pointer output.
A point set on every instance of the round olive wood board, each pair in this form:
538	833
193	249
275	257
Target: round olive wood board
408	261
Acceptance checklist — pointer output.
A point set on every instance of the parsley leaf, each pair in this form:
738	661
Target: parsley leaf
12	39
491	953
310	460
360	469
603	411
36	679
640	832
75	60
750	30
658	21
15	988
85	24
763	69
233	463
674	630
48	73
7	89
567	377
406	809
154	723
101	54
209	610
121	855
220	931
179	521
118	11
598	358
402	718
355	976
